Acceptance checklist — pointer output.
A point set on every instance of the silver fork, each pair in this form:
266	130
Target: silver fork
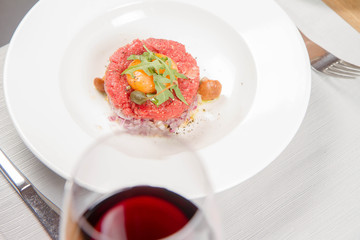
323	61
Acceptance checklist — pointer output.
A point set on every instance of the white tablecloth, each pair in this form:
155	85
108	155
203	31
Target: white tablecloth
311	191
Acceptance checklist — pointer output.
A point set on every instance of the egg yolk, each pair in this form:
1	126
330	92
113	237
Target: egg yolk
143	82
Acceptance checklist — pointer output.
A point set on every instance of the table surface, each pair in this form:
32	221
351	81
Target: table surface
311	191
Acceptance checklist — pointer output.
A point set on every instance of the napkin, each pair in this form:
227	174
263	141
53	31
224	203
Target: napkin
325	27
349	10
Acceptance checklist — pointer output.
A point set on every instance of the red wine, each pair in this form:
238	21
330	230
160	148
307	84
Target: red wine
141	213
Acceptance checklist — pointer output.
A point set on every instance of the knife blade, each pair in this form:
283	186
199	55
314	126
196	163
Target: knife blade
46	212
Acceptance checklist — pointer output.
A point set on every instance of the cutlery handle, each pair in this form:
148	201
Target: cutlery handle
48	216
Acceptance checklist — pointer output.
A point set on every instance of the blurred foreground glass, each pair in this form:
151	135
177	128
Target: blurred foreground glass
131	187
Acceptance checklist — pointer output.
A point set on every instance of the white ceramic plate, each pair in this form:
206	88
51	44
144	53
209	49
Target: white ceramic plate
256	53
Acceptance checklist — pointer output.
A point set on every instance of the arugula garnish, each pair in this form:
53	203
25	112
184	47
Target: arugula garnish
159	68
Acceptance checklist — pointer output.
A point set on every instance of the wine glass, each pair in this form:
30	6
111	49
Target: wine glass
129	187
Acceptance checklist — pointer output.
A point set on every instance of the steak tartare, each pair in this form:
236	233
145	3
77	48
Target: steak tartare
119	91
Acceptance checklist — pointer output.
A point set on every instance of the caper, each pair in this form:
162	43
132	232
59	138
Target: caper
138	97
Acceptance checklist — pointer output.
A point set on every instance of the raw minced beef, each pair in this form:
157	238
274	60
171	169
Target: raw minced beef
118	90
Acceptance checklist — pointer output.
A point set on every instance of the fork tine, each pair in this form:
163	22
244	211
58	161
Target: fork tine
335	69
345	68
341	67
338	73
349	65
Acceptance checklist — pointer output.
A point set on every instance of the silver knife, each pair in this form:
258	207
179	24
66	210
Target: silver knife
47	213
